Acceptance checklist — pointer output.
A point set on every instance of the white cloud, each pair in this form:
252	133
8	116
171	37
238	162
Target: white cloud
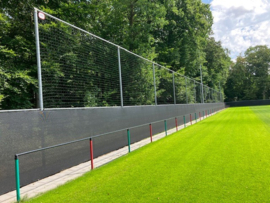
239	24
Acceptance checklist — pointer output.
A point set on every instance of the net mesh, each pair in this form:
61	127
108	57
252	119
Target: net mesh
78	70
164	85
137	80
82	70
180	90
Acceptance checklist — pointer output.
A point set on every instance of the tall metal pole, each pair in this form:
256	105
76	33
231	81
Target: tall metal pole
201	83
211	95
120	77
155	88
40	92
195	93
219	93
174	96
186	90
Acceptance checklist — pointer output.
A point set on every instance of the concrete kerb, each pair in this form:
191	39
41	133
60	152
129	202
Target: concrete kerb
74	172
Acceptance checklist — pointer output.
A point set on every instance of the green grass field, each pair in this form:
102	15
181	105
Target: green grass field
225	158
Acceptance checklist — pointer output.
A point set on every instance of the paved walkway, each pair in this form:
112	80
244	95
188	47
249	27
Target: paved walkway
62	177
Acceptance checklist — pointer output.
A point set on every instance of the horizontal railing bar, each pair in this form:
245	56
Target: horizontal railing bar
87	138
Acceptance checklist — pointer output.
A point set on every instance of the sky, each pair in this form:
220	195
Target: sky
239	24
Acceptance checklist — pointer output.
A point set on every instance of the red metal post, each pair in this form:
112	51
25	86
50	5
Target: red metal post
150	127
91	154
176	124
190	119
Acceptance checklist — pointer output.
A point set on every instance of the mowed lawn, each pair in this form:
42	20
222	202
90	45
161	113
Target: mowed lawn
225	158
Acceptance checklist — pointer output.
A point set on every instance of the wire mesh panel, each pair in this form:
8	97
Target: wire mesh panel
206	94
137	80
164	85
210	95
198	92
78	69
180	89
215	96
190	91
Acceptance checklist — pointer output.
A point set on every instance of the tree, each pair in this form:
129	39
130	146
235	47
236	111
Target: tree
173	33
217	63
258	64
180	41
249	77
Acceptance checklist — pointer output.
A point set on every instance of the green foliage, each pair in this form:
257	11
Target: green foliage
216	64
249	77
184	36
174	33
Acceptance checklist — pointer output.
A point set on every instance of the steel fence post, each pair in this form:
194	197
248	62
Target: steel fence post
195	92
176	124
40	91
201	84
174	96
128	136
201	92
120	76
155	88
186	90
165	126
91	153
151	132
17	176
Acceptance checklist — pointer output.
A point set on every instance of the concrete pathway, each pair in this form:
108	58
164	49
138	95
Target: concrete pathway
62	177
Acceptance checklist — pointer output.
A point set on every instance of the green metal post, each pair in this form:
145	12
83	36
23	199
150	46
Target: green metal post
203	114
196	117
17	175
128	135
185	121
165	125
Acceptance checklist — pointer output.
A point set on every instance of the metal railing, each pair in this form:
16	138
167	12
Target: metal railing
202	114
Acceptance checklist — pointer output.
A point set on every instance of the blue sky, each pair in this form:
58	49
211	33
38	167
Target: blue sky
239	24
206	1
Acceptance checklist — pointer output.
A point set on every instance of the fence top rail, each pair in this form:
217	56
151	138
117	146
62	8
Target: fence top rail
87	138
36	9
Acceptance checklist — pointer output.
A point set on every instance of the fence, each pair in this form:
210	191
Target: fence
24	130
97	144
79	69
248	103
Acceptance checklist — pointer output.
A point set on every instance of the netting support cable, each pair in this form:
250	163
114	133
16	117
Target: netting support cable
40	92
120	77
155	88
